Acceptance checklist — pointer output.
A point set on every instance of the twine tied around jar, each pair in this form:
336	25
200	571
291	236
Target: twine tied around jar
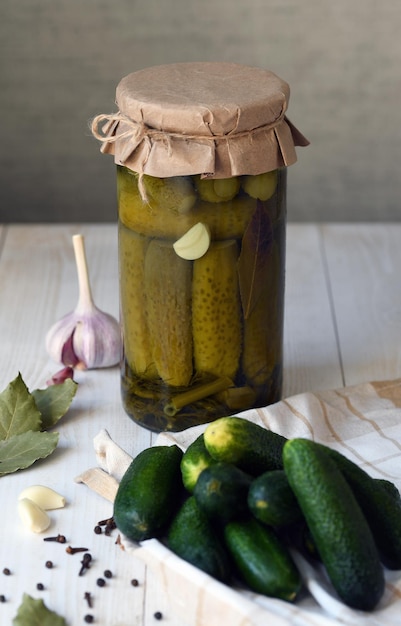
137	131
215	120
104	128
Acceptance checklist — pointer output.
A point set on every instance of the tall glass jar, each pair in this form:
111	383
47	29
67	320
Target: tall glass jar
202	151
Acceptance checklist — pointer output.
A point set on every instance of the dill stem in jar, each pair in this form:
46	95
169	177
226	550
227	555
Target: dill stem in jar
198	393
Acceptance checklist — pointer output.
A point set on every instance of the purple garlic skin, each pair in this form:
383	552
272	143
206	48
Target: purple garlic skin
85	341
59	377
86	338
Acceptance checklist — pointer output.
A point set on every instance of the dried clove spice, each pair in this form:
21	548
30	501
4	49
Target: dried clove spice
106	522
85	564
88	598
71	550
109	524
58	539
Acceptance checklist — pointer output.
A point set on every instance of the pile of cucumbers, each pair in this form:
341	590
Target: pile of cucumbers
241	497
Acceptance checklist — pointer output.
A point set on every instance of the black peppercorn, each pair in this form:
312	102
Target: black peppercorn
40	586
49	564
6	571
107	573
88	619
158	615
100	582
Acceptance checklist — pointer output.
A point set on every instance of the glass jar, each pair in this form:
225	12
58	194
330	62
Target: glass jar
201	244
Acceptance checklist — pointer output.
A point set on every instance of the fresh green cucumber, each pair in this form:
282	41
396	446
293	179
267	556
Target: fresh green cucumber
192	537
389	487
222	492
262	560
272	501
338	527
149	493
381	504
196	458
251	447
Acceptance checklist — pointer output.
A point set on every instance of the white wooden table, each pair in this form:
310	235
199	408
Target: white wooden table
342	327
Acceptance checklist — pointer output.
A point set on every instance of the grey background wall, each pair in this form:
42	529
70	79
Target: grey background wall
62	59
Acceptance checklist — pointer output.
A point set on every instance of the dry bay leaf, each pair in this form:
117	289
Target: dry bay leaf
54	401
18	410
22	450
255	253
34	611
24	420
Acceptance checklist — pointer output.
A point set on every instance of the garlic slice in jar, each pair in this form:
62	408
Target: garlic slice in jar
194	243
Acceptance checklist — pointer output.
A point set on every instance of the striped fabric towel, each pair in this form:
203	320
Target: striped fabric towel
362	422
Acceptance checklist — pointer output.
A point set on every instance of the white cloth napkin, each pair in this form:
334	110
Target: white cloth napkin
364	423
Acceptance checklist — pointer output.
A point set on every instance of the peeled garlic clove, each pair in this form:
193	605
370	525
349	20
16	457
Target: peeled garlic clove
32	516
45	497
194	243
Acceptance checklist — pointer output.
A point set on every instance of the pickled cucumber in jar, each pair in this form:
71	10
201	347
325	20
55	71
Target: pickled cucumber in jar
201	281
202	150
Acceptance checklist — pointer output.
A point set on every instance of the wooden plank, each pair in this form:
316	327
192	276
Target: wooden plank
311	359
364	263
38	285
343	306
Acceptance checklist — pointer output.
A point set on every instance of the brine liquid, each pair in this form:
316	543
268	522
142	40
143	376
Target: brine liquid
202	338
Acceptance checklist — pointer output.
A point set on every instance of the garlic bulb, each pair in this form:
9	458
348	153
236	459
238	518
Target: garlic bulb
86	338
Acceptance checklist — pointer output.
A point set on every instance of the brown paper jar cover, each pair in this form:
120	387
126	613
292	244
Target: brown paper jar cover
214	119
